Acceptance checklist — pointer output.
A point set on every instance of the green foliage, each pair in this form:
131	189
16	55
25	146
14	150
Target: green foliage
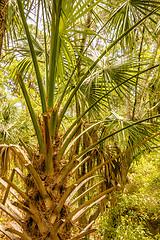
14	123
130	219
66	67
126	230
136	214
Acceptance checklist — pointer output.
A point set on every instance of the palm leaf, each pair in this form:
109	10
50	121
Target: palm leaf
37	71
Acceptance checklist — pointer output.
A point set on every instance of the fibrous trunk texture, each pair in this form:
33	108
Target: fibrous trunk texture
46	222
3	11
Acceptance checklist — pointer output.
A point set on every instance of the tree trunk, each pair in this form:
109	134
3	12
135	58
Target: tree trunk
47	222
3	11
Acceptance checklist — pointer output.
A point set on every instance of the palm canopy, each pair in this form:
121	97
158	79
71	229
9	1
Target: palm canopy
77	68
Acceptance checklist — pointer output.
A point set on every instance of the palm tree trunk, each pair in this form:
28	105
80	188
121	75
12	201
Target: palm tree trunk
3	11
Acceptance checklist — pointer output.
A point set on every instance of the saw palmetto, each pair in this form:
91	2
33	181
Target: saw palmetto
48	207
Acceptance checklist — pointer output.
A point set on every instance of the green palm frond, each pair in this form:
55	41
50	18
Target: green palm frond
85	139
131	12
133	134
107	77
24	50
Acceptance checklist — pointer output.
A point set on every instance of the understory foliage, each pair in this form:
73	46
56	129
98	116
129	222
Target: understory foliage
14	124
90	85
137	212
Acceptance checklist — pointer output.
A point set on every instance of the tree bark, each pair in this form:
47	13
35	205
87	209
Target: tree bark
3	12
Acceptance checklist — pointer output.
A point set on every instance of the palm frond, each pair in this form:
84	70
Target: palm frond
131	12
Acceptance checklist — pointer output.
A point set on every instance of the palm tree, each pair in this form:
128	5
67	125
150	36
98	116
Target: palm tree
3	10
47	204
